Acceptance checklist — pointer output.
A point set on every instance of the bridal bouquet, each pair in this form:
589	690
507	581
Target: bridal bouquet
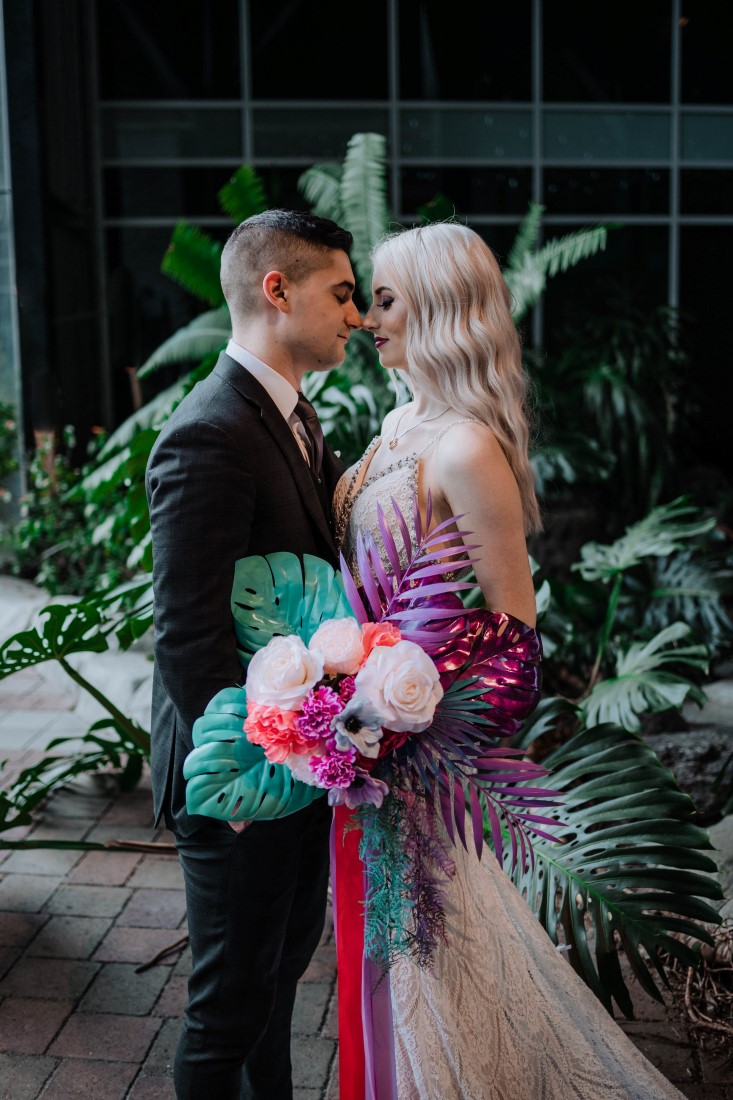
382	689
330	709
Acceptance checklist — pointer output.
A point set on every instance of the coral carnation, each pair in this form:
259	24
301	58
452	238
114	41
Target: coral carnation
275	730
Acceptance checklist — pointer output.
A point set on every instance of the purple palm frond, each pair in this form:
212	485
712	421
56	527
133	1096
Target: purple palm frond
411	595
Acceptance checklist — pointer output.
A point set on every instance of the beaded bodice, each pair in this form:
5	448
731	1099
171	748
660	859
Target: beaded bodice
355	501
358	495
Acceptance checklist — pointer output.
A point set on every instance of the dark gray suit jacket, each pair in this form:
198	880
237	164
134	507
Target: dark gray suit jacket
225	479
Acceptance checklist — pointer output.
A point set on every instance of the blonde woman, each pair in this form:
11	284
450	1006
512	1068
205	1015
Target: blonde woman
500	1016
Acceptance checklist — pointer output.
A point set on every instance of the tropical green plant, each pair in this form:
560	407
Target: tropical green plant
114	741
354	194
611	615
54	543
528	268
8	437
618	380
627	870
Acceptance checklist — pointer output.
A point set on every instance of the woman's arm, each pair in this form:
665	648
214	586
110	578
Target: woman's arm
469	474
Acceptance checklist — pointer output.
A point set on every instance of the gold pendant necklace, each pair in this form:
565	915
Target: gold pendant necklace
396	438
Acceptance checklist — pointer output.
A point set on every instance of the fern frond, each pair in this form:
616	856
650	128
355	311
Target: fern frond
204	335
363	200
565	252
193	259
244	195
527	235
321	187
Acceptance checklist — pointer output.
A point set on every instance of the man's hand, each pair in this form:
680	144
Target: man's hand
238	826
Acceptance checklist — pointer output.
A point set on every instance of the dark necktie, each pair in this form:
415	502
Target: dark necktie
309	419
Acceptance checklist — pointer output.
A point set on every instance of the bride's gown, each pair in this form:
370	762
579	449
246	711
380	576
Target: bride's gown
502	1015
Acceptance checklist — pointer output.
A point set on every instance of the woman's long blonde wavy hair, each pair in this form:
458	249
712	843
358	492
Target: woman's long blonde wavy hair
462	346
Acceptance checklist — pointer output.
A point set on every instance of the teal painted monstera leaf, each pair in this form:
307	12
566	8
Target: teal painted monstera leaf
231	779
278	595
227	776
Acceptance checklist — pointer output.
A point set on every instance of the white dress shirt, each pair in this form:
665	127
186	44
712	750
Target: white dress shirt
280	390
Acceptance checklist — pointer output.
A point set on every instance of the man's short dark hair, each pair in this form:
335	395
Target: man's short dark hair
290	241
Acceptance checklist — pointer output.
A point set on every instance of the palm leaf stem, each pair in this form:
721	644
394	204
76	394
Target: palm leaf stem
605	634
138	736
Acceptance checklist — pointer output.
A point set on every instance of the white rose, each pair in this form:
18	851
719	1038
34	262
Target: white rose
283	672
341	643
402	684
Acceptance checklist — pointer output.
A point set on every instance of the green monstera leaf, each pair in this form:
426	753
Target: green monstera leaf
231	779
277	595
61	630
228	777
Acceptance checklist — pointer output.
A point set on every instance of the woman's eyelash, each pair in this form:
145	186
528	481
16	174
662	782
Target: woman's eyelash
385	303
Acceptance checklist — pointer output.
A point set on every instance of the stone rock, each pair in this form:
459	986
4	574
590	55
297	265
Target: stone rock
695	757
118	675
717	710
721	837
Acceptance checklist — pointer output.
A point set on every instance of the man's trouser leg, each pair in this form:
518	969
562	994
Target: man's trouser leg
256	904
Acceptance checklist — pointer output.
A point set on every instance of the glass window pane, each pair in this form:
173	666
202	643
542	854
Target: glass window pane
705	297
309	51
160	192
706	191
707	137
706	36
281	186
605	135
144	306
632	268
167	133
472	190
607	51
168	50
453	132
485	53
606	190
317	132
499	238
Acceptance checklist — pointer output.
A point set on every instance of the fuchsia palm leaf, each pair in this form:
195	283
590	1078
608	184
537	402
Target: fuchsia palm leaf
489	665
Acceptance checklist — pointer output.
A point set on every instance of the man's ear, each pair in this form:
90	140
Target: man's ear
275	287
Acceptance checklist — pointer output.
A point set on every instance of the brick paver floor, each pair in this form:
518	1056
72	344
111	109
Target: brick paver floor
78	1021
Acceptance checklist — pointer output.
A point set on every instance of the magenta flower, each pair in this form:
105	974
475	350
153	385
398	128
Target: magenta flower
347	687
364	788
335	769
317	711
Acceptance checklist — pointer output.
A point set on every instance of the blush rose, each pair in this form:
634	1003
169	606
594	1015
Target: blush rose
402	685
340	642
283	672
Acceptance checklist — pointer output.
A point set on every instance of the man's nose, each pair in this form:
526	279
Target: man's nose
353	317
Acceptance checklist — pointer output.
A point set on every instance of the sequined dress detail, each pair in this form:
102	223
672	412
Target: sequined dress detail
502	1015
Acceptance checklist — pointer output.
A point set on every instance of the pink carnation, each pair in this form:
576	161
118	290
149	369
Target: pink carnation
317	711
347	687
275	730
335	769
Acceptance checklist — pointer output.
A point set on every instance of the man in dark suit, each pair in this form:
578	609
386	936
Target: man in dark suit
241	468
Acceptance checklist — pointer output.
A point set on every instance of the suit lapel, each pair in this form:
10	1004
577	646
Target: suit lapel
250	389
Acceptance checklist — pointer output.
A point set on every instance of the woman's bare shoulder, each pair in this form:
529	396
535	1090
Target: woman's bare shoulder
469	444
